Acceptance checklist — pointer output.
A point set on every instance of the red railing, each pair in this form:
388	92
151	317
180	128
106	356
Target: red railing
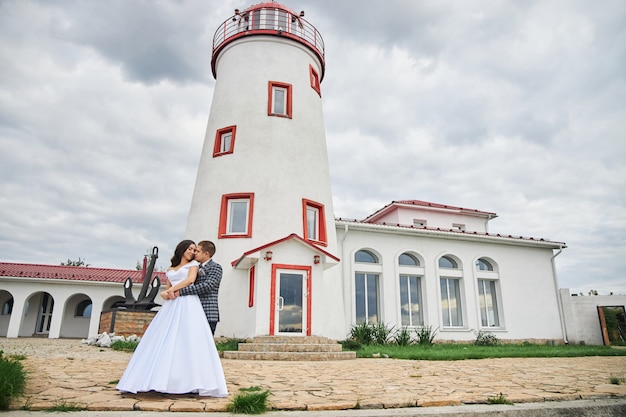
272	21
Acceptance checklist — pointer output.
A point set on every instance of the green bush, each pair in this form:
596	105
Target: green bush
403	337
12	380
350	344
381	333
362	333
486	339
229	344
425	335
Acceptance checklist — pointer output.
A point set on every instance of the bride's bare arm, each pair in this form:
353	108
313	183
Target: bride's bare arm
190	279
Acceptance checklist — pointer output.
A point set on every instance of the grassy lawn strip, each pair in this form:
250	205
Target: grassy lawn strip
454	351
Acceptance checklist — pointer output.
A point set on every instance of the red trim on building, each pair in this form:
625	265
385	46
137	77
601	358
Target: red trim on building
309	288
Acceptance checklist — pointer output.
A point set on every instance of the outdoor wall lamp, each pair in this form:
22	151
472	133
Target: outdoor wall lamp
268	255
316	259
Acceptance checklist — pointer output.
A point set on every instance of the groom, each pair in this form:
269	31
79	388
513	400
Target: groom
207	283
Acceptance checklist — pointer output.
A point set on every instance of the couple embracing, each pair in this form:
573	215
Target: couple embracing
177	353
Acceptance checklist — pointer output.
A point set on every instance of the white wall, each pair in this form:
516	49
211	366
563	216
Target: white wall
581	313
527	293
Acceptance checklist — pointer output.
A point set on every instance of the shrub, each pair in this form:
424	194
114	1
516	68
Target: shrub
362	333
402	337
486	339
425	335
229	344
381	333
350	344
12	380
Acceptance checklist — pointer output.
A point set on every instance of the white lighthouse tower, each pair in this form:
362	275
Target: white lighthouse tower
262	192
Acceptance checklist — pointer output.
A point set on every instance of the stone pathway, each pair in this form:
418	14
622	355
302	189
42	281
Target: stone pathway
66	371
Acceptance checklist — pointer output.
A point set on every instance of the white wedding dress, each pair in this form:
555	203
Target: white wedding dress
177	353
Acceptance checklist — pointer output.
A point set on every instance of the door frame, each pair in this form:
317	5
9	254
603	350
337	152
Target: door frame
308	287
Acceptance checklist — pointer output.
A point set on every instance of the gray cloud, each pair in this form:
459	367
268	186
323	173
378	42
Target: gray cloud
510	107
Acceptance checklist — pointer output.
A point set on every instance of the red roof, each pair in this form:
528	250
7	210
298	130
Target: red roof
453	231
436	205
73	273
270	5
394	204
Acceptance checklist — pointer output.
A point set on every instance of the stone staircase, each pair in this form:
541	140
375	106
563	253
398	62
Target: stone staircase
288	348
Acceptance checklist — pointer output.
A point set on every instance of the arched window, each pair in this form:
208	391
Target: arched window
447	262
488	283
483	265
366	287
408	260
83	309
365	257
7	307
450	278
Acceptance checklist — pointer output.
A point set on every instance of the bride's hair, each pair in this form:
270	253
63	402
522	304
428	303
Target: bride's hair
180	249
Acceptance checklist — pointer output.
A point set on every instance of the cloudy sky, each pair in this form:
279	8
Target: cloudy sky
513	107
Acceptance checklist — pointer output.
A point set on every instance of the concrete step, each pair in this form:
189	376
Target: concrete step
286	348
293	340
289	356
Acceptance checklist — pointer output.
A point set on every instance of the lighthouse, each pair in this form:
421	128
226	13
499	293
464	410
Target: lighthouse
263	192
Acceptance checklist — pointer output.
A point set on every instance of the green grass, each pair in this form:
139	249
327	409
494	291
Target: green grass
499	399
251	400
228	344
131	345
454	351
12	379
63	406
125	345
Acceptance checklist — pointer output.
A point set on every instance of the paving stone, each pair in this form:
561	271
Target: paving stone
66	370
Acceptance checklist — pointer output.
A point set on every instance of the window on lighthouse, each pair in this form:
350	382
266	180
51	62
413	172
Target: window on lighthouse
224	141
236	215
314	221
315	80
279	100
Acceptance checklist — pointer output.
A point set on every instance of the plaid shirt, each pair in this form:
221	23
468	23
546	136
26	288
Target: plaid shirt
207	286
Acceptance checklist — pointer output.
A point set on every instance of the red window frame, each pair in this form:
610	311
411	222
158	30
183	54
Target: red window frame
217	146
321	222
315	80
223	226
270	99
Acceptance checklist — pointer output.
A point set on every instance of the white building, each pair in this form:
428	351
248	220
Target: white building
263	195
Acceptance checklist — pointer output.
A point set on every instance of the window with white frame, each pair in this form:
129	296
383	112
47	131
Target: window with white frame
451	311
488	301
366	287
279	101
411	310
236	215
450	288
488	282
419	223
458	226
483	265
411	307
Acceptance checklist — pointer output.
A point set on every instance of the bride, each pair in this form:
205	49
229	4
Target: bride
177	353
